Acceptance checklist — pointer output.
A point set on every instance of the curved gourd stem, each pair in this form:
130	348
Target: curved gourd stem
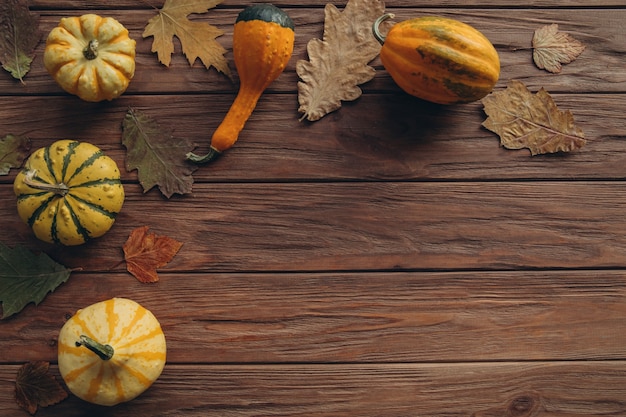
203	159
104	352
59	189
376	26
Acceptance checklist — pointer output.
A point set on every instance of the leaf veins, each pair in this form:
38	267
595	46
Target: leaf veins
524	120
338	63
196	38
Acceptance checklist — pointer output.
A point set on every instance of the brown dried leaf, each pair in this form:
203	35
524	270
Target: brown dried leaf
524	120
338	63
145	252
159	158
552	48
20	36
13	150
196	38
36	387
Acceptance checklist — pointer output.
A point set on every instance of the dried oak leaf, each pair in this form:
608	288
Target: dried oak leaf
339	63
20	35
196	38
36	387
158	157
13	150
552	48
26	277
524	120
145	252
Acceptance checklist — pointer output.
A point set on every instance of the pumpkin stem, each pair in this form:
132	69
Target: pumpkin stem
59	189
375	27
104	352
91	50
203	159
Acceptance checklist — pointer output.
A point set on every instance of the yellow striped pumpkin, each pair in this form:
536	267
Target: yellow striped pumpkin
111	351
439	59
69	192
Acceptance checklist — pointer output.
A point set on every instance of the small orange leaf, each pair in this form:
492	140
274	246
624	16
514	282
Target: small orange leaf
145	252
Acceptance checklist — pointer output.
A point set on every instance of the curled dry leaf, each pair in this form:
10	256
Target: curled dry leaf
145	252
552	48
196	38
524	120
36	387
338	63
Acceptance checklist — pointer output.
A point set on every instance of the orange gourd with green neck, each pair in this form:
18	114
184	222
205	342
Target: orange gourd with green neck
263	41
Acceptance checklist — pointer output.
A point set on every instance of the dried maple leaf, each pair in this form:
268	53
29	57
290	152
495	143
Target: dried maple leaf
20	36
552	48
159	159
339	63
27	277
524	120
196	38
36	387
13	151
145	252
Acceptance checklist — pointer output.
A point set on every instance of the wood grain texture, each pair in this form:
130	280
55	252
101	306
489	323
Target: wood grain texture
390	260
356	226
400	139
438	390
333	317
599	69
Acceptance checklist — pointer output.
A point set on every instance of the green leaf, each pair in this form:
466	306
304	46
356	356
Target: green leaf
159	158
19	35
27	277
13	151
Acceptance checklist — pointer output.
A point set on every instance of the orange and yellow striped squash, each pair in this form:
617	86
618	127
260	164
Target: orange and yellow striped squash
69	192
439	59
263	39
111	351
90	56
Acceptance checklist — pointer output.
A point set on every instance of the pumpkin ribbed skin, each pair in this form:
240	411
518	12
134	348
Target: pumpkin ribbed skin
440	60
139	351
91	56
69	192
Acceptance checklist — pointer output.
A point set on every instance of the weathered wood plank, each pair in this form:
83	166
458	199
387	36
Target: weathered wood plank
353	317
365	226
479	390
599	69
400	139
448	4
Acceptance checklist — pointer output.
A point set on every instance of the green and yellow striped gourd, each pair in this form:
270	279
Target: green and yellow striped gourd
69	192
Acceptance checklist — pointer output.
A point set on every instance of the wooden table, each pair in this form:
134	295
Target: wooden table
391	259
